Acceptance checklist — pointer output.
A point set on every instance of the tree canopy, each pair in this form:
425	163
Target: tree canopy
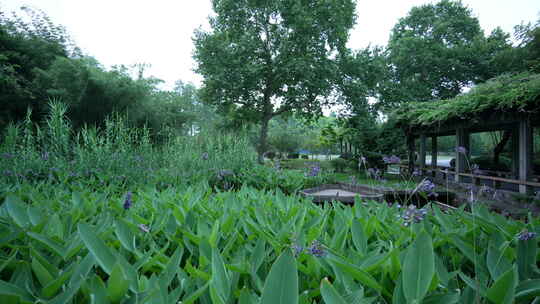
267	58
436	51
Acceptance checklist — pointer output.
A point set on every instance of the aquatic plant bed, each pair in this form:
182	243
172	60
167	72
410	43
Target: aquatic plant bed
65	243
342	192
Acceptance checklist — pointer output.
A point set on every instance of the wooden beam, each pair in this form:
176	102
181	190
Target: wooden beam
411	148
462	140
514	141
487	177
434	151
525	154
422	156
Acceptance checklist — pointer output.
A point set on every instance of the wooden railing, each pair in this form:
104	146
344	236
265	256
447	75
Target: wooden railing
476	178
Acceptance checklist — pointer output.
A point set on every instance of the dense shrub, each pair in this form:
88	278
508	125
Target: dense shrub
270	155
304	156
340	164
374	160
266	178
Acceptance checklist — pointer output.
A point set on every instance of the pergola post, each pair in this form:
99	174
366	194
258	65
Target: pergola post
525	154
434	155
462	140
422	156
514	141
411	148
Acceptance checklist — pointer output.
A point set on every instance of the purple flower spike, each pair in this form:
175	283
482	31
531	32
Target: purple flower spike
525	235
297	249
427	186
314	170
413	215
127	201
316	249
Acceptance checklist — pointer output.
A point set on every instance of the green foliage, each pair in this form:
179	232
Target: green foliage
424	44
289	134
26	47
228	247
38	61
486	163
261	52
340	164
505	93
288	181
115	154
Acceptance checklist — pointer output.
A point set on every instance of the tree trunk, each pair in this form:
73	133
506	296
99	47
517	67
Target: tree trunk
263	138
500	146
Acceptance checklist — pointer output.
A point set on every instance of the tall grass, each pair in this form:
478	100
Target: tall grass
52	151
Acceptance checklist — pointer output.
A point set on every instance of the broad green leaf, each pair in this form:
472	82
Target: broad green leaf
124	235
526	258
35	215
117	284
42	274
171	269
55	227
503	290
16	211
258	255
330	294
449	298
221	281
8	289
475	285
97	247
358	236
98	290
214	235
8	261
246	297
497	263
52	245
360	275
82	270
195	295
398	297
54	286
465	248
418	268
442	272
281	285
528	289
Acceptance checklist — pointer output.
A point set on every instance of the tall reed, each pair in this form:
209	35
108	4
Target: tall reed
52	151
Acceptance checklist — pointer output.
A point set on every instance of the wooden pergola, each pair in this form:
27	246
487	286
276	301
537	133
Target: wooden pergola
508	103
521	128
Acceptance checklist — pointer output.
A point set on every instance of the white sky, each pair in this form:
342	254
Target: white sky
159	32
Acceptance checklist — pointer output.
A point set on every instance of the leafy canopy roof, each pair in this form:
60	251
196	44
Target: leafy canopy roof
518	93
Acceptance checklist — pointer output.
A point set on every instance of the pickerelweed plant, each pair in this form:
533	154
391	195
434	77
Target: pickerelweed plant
71	244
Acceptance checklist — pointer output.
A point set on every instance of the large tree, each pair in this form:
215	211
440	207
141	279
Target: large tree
436	51
264	58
